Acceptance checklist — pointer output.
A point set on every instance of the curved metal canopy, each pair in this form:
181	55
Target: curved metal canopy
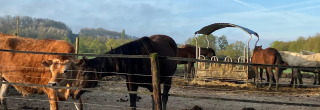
216	26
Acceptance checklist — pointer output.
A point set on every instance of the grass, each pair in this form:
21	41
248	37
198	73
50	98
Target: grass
289	70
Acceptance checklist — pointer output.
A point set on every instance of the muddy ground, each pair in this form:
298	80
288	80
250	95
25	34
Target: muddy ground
216	96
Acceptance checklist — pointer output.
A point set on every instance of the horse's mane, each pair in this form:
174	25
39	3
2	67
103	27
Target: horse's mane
134	47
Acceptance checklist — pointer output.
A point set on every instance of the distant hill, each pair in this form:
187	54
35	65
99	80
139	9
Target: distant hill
43	28
103	34
38	28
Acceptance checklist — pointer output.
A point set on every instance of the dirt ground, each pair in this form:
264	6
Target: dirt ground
217	96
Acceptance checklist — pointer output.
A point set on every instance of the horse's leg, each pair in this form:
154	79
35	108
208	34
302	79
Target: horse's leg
185	71
277	76
300	78
166	88
257	76
261	76
314	78
189	69
295	76
78	105
318	79
261	73
270	73
3	94
192	70
292	77
133	96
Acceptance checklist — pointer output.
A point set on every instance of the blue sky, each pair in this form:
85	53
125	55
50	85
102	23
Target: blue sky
282	20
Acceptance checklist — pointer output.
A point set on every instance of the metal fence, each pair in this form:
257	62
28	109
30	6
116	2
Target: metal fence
149	93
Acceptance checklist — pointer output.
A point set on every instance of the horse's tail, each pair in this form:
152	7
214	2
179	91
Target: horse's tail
279	62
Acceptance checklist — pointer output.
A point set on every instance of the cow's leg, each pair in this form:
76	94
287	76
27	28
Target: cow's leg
166	88
52	96
3	94
78	105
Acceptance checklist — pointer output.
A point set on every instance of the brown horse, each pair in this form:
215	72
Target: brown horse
267	56
189	51
138	69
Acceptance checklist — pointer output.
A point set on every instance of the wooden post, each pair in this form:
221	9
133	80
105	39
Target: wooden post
156	81
18	25
77	44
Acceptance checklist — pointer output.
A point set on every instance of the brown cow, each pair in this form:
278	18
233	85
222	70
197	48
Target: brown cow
27	68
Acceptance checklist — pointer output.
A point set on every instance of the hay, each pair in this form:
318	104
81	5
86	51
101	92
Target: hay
220	83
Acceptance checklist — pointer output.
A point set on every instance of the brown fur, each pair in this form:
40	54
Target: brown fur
37	74
267	56
189	51
138	71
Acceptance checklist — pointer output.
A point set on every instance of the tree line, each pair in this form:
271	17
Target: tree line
91	40
310	43
100	40
220	45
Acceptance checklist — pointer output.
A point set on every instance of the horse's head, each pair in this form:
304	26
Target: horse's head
60	70
86	77
211	53
257	48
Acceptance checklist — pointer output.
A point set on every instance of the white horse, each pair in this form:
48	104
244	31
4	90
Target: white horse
305	52
296	59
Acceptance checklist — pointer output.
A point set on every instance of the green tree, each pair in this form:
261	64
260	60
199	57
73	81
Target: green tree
234	50
114	43
97	46
222	42
123	34
202	41
65	38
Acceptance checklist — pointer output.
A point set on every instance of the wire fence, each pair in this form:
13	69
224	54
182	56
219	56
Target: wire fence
146	93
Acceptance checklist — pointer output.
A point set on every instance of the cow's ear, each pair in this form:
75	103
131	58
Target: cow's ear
47	63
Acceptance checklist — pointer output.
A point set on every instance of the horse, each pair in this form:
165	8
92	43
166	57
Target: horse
189	51
138	69
267	56
305	52
297	59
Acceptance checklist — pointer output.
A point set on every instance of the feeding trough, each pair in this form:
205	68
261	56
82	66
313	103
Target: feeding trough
224	71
